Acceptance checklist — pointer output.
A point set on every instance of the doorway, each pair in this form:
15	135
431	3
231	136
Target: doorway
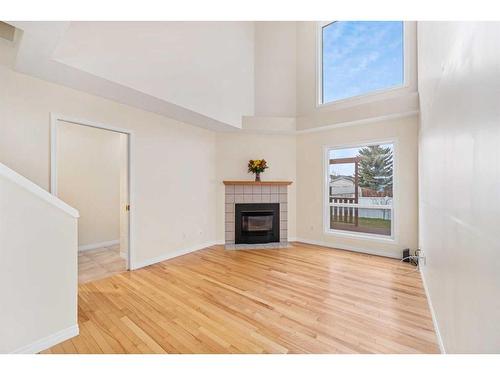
90	170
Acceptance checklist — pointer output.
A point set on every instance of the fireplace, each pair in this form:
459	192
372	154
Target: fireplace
257	223
256	214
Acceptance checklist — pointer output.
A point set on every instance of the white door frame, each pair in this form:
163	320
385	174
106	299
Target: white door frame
54	121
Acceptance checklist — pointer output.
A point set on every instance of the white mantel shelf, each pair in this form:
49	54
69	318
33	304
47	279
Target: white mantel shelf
243	182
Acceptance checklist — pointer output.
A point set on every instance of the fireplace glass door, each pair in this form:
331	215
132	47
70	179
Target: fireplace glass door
257	223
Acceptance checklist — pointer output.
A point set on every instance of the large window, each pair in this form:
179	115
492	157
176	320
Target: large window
359	192
360	57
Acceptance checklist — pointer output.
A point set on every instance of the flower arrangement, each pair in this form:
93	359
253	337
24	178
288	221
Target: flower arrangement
257	166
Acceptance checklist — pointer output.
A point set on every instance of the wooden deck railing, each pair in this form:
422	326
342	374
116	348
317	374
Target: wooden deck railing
344	214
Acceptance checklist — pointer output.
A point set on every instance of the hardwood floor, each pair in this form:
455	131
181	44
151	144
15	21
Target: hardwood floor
100	263
305	299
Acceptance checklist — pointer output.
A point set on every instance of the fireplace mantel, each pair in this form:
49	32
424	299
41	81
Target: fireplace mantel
243	182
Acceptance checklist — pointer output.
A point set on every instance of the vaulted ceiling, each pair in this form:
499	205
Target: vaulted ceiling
216	75
196	72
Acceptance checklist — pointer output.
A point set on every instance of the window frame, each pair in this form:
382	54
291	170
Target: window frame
409	74
394	237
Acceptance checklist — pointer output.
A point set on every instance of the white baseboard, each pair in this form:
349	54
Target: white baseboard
433	314
333	245
170	255
93	246
49	341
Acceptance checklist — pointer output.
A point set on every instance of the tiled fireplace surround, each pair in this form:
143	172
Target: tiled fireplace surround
272	192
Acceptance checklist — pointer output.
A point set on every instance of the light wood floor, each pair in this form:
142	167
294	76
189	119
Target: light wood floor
306	299
100	263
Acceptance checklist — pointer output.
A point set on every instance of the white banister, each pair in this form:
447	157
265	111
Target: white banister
37	190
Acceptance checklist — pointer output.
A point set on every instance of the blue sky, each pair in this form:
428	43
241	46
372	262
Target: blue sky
361	56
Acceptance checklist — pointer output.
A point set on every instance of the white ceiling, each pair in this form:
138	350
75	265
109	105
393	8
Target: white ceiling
196	72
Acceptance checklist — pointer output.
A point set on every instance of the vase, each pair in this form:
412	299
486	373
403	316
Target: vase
257	177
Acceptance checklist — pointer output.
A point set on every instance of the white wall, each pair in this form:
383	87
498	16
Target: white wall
38	271
459	80
88	178
174	162
310	177
275	69
234	150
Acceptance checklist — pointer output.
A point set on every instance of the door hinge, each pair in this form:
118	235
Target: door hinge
127	207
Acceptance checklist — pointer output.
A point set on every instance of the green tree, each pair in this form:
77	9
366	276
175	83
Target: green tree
375	168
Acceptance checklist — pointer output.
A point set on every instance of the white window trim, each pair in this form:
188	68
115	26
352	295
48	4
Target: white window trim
409	84
394	237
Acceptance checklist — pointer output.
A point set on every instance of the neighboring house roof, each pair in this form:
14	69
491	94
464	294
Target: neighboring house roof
342	178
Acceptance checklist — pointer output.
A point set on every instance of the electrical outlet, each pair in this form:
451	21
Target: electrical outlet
422	259
421	256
